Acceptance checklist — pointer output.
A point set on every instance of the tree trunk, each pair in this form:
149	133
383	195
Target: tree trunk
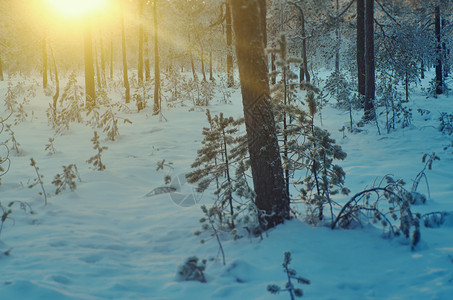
123	46
361	46
439	79
229	40
102	62
90	89
211	77
98	71
1	69
338	41
267	171
57	86
303	67
202	63
140	42
369	61
156	63
44	63
146	54
111	59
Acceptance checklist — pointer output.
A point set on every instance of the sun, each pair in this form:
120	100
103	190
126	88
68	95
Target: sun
77	8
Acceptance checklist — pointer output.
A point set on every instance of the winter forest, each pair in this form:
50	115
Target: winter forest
226	149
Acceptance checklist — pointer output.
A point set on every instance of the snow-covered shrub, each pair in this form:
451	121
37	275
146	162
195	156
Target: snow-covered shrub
390	97
291	275
66	179
192	270
38	180
428	160
50	147
108	120
446	123
388	205
96	159
221	160
6	211
14	143
72	103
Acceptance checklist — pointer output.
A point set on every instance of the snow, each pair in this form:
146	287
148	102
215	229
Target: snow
114	238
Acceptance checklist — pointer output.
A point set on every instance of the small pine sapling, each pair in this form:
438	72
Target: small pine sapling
164	164
66	179
50	147
192	270
291	275
209	224
223	150
96	160
15	144
38	180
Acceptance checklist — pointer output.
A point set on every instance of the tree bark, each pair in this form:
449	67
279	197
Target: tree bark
44	63
1	70
140	42
361	46
369	61
111	59
102	61
90	89
439	79
123	46
156	63
267	171
146	54
229	40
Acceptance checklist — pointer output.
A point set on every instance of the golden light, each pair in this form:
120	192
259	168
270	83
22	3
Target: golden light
77	8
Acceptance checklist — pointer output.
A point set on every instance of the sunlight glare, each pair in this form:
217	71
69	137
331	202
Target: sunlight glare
77	8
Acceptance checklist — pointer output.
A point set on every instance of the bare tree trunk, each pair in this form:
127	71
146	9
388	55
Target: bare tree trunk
369	61
361	46
125	76
44	63
267	171
439	78
98	71
157	107
89	68
57	83
211	78
1	70
229	40
140	42
102	61
146	54
202	63
111	59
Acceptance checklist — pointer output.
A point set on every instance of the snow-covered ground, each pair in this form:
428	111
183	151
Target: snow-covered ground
109	240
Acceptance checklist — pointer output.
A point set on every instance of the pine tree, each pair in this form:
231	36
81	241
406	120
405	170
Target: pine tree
222	153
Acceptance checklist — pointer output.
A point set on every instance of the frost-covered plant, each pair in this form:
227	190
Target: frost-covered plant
15	144
66	179
428	160
192	269
6	211
96	159
391	98
446	123
140	94
108	120
384	204
291	274
210	225
72	103
223	150
38	180
163	164
313	150
5	162
50	147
